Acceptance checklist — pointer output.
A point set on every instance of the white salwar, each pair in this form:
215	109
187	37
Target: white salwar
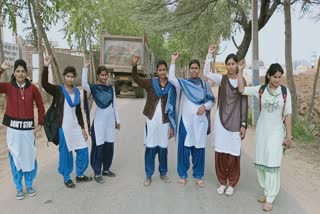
104	119
223	140
71	128
270	134
196	125
156	133
21	145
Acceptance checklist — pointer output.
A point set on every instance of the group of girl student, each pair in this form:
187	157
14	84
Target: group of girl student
21	128
194	98
72	133
273	131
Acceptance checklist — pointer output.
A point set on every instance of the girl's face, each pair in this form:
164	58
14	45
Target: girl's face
69	78
232	66
103	77
162	71
275	80
20	74
194	70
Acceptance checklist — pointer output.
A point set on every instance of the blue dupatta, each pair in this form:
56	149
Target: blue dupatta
68	98
170	109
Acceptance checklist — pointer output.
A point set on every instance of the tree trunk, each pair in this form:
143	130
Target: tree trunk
34	30
54	64
311	106
288	58
1	43
36	9
244	46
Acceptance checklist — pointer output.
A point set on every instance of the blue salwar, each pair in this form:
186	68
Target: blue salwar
184	152
18	175
149	157
66	159
101	156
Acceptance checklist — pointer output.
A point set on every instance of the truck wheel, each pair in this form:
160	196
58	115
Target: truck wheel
139	92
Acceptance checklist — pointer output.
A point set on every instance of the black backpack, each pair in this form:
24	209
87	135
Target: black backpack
51	126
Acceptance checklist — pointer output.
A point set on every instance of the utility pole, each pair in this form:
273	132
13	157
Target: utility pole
255	58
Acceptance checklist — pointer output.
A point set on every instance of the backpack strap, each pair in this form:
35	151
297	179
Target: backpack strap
284	95
261	90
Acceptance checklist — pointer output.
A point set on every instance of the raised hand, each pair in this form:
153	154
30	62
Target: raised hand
212	49
135	59
6	64
47	61
242	65
86	64
174	57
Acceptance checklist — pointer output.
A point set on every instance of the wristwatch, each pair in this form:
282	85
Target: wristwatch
244	124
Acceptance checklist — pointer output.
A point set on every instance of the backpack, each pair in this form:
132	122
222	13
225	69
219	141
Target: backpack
284	95
50	125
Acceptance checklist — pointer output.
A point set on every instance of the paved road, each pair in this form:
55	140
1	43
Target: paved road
126	193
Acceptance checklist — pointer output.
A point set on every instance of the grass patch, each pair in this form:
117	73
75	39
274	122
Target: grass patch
303	131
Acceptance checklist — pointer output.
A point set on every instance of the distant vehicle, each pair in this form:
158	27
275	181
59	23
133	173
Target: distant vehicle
117	53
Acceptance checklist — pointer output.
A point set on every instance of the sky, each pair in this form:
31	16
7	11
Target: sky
305	39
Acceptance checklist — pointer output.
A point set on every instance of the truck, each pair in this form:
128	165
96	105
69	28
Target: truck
117	53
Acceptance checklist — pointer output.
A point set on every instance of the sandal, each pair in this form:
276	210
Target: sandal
267	207
70	184
182	182
200	183
262	199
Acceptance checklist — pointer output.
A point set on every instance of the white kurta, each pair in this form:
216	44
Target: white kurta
224	141
195	125
71	128
22	148
270	131
156	133
104	119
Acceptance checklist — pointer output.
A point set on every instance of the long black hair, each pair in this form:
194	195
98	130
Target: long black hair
274	68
